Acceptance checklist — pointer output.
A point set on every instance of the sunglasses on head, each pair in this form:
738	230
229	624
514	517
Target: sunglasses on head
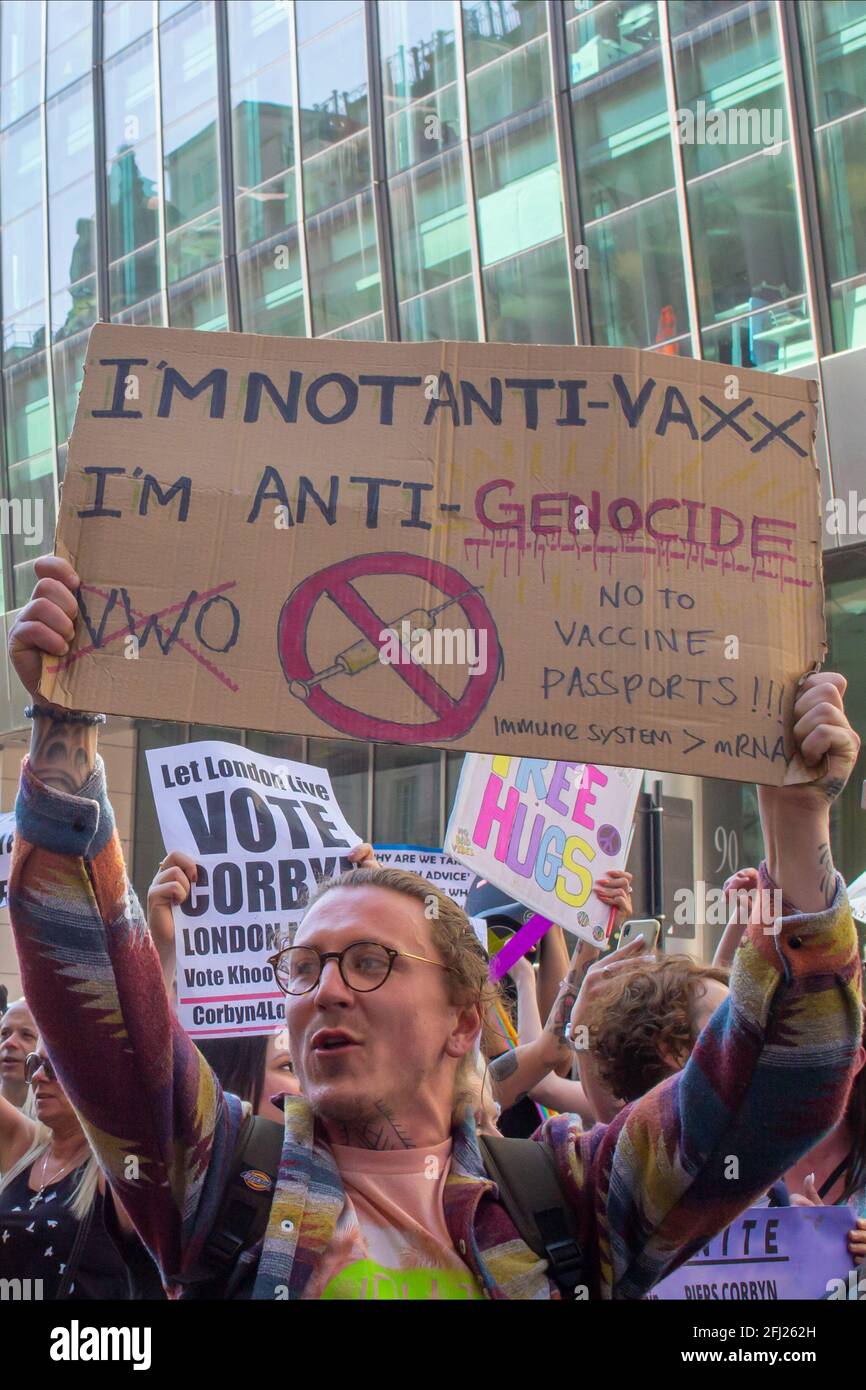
33	1063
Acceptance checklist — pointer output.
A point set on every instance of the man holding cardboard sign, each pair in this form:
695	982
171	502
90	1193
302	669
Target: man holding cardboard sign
563	553
381	1189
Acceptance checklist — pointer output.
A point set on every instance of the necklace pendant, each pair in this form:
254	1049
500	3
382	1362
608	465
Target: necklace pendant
34	1201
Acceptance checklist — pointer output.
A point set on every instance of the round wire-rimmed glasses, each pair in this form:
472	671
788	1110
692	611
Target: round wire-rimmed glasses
364	966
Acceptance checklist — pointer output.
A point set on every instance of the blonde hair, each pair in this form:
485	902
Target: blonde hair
467	981
84	1193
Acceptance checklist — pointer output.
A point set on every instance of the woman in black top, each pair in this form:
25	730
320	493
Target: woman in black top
51	1208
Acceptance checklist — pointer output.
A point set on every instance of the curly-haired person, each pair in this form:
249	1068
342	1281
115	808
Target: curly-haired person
642	1019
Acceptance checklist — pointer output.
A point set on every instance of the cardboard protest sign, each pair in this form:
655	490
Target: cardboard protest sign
434	865
587	553
768	1253
544	832
262	833
7	830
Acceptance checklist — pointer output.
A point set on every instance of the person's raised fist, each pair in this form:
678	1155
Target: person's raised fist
47	623
822	730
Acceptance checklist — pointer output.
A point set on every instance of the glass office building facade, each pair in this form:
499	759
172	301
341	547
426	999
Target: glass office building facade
494	170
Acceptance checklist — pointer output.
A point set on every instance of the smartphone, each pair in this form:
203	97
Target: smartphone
647	927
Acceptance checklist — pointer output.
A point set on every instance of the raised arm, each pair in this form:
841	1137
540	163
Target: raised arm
17	1134
737	889
770	1073
153	1110
519	1072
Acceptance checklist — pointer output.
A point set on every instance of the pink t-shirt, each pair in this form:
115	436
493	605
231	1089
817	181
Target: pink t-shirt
391	1240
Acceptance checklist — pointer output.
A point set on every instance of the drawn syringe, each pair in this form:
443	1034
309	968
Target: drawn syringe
361	655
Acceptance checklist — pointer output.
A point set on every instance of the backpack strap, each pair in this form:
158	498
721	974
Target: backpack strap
246	1203
525	1171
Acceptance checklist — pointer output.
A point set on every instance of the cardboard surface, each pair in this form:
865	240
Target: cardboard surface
628	545
544	833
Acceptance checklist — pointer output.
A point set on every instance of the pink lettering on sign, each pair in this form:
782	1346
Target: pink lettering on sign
586	796
492	811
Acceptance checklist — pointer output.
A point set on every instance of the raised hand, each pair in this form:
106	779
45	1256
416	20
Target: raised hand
614	888
47	623
171	885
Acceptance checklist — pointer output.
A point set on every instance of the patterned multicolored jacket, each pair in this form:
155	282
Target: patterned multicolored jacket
768	1077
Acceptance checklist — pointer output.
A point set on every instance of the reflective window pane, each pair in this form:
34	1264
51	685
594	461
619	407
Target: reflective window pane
312	17
622	132
70	42
20	169
133	199
344	265
148	313
369	330
123	21
262	126
258	34
730	89
133	176
199	302
517	186
745	237
416	41
527	297
74	308
430	225
69	135
637	293
190	141
71	214
515	83
194	246
422	130
834	53
136	277
834	49
447	313
841	150
266	211
130	98
191	160
272	290
491	30
332	76
28	426
345	168
775	338
20	65
72	233
188	57
23	275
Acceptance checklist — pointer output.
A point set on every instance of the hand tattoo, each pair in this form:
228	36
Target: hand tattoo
62	755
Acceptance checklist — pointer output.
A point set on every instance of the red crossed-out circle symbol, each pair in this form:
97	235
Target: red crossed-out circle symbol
453	716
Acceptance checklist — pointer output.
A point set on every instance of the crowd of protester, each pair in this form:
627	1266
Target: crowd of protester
401	1065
